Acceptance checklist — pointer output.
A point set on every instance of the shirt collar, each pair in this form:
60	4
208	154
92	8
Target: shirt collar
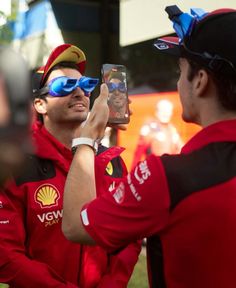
55	150
218	132
59	146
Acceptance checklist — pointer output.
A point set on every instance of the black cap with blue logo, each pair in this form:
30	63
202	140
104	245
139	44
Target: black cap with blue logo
207	38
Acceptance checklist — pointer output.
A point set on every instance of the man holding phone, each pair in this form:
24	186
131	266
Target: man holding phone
37	253
185	204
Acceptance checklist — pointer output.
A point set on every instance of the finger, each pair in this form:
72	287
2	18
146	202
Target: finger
103	93
122	127
101	101
104	90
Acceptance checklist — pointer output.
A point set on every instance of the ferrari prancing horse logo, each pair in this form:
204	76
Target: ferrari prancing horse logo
109	168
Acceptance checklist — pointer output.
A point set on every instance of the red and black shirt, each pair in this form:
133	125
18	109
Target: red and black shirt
185	205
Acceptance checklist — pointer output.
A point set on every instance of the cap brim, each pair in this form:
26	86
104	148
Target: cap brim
168	45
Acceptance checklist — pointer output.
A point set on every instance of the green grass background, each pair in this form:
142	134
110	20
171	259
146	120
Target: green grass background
139	277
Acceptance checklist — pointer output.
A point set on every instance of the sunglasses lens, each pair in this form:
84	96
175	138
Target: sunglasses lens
62	86
87	84
111	86
116	86
122	87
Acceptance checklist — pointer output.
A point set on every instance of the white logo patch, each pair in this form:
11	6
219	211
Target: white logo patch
142	172
119	193
161	46
112	186
133	190
84	217
50	218
4	221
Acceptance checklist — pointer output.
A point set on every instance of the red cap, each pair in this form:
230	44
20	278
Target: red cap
64	52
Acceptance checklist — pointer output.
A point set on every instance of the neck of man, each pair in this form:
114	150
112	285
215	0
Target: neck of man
63	132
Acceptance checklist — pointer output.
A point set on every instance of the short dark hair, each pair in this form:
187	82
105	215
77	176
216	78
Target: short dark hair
225	86
116	75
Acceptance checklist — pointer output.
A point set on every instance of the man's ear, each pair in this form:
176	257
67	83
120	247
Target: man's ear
40	106
201	82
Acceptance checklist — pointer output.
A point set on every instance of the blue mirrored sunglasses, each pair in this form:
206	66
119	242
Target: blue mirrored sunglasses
63	86
116	86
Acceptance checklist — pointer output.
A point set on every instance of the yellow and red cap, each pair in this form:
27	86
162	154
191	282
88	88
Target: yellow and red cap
64	52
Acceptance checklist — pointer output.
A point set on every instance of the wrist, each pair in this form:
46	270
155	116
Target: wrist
84	141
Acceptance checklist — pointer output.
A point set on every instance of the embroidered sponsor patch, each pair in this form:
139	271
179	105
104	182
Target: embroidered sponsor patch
4	221
142	172
112	186
46	196
50	218
84	217
133	189
109	168
119	193
162	46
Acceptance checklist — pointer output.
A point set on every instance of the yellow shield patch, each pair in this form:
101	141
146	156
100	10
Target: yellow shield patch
109	168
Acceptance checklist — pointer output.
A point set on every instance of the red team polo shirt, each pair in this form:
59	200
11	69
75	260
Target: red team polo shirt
185	204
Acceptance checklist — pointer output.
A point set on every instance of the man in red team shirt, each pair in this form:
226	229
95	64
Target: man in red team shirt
184	204
34	252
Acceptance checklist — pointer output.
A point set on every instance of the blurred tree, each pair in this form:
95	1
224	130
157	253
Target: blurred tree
6	34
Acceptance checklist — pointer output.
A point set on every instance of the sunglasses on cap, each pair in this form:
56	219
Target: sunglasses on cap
116	86
183	23
63	86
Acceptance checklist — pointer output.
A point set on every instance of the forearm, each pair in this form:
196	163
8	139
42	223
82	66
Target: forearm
80	177
80	184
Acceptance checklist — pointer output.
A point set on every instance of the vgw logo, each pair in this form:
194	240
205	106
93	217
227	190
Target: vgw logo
50	218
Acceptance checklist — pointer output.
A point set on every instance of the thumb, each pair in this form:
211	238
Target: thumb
103	96
104	91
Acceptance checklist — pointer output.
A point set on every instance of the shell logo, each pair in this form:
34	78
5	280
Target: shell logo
47	195
109	168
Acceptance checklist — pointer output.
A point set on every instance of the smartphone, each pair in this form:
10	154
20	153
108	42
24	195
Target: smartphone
115	78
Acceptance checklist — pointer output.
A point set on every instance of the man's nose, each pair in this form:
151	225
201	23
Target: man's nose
78	92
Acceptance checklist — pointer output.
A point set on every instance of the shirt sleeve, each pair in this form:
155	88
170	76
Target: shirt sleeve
137	208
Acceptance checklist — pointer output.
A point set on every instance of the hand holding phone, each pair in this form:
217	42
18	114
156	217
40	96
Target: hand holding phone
115	78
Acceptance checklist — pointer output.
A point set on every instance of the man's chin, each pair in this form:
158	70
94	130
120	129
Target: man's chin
76	118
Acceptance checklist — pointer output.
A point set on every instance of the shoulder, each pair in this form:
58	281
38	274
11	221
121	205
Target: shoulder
35	169
116	166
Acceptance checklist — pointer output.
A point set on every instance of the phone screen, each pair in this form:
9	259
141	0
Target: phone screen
115	78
